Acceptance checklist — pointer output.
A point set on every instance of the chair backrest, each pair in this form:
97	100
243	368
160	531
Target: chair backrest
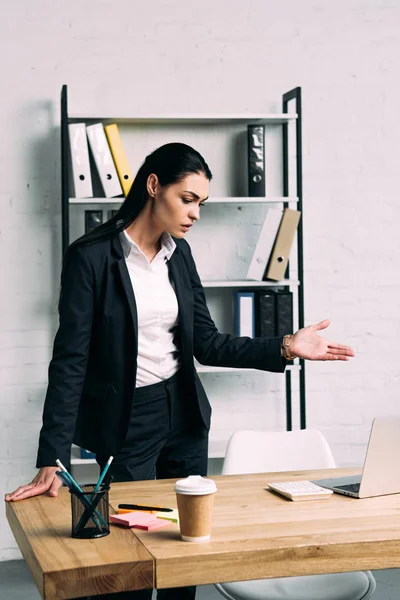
262	451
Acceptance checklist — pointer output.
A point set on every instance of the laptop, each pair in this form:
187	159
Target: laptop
381	471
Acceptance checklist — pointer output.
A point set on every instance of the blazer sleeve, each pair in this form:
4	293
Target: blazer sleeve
223	350
70	356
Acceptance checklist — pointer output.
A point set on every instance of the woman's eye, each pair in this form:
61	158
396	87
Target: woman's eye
187	201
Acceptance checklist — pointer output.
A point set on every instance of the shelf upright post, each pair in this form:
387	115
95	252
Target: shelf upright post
64	171
295	95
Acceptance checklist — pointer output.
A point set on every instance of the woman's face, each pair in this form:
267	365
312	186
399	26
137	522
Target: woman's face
177	206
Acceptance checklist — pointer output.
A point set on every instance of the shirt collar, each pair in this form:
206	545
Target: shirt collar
167	244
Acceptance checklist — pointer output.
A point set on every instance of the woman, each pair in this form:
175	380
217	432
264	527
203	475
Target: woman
133	314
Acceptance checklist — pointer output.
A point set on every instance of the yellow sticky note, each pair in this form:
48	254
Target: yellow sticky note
168	516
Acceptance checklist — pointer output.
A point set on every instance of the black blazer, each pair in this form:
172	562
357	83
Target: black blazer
92	373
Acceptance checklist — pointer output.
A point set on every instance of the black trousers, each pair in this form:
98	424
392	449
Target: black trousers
166	439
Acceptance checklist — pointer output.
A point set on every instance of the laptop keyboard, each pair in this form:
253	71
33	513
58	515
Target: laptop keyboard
351	487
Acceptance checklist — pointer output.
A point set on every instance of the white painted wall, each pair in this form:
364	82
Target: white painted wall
165	57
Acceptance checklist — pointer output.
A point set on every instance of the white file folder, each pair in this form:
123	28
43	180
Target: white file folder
80	160
264	245
104	160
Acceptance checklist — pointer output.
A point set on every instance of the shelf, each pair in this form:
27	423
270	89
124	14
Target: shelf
252	200
96	200
267	119
221	200
208	369
83	461
77	460
247	283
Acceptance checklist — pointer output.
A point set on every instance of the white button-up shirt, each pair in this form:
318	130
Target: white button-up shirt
157	311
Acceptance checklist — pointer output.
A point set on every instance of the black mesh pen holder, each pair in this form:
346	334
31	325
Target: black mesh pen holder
90	513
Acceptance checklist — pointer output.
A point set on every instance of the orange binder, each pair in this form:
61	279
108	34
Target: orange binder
283	243
119	156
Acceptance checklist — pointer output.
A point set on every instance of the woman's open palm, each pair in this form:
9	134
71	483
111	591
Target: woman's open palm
307	344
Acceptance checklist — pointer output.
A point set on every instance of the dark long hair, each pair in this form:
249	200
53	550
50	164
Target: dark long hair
171	163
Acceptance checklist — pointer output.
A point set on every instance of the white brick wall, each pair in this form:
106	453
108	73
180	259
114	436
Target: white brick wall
135	57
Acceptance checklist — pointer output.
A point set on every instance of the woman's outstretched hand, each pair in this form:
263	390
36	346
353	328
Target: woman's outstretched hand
45	481
307	344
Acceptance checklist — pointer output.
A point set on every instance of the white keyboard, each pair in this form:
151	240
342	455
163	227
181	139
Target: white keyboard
300	490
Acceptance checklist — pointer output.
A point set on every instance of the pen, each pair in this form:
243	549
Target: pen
103	474
142	507
108	479
69	476
65	481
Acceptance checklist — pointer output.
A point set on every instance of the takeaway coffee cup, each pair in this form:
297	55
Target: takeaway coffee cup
195	498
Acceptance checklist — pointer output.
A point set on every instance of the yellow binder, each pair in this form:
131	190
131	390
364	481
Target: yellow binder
119	156
283	243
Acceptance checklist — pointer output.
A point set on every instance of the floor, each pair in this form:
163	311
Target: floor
16	584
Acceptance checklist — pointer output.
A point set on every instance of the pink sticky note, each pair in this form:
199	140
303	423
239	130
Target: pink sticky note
139	519
155	524
133	518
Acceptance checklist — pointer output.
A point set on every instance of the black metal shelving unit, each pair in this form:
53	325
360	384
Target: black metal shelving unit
64	171
293	95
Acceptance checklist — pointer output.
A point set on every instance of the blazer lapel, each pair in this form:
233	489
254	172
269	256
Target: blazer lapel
181	282
127	285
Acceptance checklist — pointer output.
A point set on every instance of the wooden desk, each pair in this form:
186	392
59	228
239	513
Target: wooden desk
256	534
63	567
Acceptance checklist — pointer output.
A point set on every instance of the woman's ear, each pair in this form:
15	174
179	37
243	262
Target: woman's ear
152	184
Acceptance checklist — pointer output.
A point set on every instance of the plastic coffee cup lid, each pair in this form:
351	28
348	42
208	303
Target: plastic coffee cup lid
195	485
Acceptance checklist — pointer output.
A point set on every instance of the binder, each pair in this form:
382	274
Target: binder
93	218
111	213
284	313
119	156
266	314
283	244
264	244
244	314
256	159
87	453
80	160
103	159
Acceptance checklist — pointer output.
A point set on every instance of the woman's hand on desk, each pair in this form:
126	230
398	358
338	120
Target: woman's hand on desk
45	481
307	344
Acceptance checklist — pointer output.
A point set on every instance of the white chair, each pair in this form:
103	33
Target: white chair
264	451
